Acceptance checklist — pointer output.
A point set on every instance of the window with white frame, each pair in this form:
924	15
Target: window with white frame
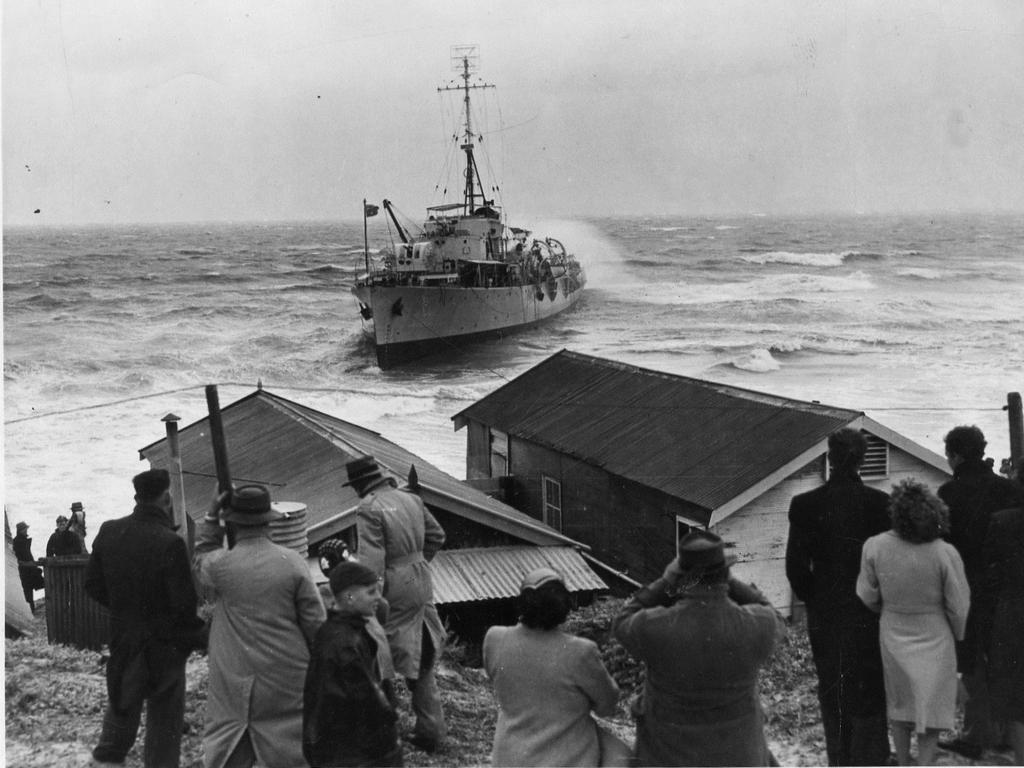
551	495
499	453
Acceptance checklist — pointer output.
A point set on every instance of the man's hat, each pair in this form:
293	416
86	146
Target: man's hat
151	483
701	552
76	506
249	505
22	526
539	577
362	470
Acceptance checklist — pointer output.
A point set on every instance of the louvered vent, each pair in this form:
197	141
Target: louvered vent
876	460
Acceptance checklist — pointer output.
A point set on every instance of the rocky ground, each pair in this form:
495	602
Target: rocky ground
55	697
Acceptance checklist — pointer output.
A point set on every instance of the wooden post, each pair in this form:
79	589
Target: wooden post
177	478
220	450
1016	416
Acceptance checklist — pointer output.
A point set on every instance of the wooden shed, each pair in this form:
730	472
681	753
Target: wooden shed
300	455
627	459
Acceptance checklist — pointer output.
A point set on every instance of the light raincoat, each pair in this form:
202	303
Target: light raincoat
397	538
267	611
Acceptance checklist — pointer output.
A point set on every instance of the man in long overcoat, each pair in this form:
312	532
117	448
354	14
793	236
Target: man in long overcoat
266	613
139	570
397	539
704	638
827	529
31	575
973	495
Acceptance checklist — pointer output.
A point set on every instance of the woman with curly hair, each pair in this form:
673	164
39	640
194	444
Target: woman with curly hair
916	580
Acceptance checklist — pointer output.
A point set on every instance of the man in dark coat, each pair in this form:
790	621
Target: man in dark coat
64	541
1001	622
827	528
704	637
31	575
140	571
973	495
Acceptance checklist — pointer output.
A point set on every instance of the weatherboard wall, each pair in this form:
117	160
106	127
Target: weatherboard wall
629	526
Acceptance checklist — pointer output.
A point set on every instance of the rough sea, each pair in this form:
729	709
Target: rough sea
918	321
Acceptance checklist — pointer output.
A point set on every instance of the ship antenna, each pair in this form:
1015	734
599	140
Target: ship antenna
466	59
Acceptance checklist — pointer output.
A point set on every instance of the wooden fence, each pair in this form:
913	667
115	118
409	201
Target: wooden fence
72	617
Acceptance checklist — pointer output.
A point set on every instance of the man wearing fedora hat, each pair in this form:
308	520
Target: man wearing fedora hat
397	537
704	637
266	613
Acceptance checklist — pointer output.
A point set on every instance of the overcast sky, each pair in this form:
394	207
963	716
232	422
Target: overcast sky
155	110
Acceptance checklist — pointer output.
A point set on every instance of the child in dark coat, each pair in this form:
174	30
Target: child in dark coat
347	718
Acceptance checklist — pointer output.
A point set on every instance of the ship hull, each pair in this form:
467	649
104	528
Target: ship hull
409	322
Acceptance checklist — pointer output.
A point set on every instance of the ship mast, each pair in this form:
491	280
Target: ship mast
466	59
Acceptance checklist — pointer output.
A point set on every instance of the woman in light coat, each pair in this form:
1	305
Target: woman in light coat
266	613
916	580
546	682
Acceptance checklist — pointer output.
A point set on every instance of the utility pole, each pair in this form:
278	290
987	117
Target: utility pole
177	479
1016	417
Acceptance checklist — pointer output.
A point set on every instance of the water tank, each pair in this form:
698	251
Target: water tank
289	528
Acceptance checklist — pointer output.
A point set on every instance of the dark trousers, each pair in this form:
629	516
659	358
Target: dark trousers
980	725
29	597
165	718
426	699
851	691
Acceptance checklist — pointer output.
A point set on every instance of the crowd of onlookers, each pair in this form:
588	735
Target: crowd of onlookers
68	538
914	605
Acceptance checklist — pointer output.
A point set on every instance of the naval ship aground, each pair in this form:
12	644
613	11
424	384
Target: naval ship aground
464	274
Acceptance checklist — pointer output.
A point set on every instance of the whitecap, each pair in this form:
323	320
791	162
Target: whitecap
758	361
922	272
805	259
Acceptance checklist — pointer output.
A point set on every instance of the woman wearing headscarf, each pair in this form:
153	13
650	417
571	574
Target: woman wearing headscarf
916	580
546	682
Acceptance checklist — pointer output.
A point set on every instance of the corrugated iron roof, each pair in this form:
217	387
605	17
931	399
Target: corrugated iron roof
300	454
695	440
466	575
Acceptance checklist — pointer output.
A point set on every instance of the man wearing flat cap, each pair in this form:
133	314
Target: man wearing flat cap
704	637
266	613
64	540
139	570
397	538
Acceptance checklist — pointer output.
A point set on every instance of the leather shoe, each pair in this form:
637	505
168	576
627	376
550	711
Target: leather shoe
422	743
961	747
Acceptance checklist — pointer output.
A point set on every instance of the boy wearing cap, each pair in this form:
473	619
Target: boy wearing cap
704	637
347	717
